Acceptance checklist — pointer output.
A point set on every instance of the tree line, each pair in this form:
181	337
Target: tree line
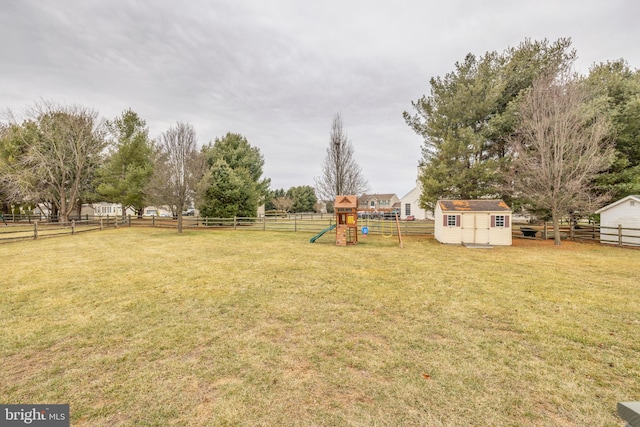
521	125
65	156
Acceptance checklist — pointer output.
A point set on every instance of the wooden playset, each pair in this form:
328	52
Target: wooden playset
346	209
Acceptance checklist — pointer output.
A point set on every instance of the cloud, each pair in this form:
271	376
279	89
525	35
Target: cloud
277	72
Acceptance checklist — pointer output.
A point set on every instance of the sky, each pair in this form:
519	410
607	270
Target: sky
278	71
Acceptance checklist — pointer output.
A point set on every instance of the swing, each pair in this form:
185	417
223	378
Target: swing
382	229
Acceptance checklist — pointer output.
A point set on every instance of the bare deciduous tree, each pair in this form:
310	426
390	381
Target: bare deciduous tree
340	172
62	147
178	170
559	147
283	203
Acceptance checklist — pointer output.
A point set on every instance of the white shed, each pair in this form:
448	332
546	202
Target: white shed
625	213
473	222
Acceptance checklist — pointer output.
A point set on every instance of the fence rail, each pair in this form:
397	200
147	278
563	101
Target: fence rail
294	223
31	218
582	232
23	227
34	229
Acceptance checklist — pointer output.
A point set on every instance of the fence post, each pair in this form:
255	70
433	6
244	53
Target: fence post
544	231
73	227
264	223
619	234
572	235
35	230
129	219
116	221
153	220
295	223
101	226
235	222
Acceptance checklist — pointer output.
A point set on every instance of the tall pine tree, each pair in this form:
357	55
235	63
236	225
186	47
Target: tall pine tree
234	185
126	173
468	118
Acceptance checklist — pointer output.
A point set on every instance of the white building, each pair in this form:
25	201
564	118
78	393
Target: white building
104	209
162	211
625	213
473	222
410	203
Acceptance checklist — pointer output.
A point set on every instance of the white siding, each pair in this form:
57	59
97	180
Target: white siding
626	213
450	234
501	236
444	233
413	199
437	225
475	227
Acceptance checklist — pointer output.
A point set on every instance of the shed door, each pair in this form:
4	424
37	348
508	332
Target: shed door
475	228
468	228
483	223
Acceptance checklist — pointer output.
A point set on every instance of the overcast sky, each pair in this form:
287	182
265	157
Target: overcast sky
278	71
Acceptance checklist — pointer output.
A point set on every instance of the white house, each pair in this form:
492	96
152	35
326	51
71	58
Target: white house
473	221
104	209
163	211
378	203
410	203
624	213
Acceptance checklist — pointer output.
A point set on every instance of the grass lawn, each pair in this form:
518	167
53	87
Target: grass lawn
146	327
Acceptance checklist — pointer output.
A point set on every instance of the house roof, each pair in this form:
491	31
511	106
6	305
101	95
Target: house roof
377	196
617	202
481	205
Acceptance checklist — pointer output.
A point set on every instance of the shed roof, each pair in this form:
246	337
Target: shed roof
481	205
617	202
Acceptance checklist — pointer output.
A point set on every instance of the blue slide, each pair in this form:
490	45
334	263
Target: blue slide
317	236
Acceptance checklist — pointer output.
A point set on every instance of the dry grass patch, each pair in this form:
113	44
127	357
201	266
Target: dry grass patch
148	327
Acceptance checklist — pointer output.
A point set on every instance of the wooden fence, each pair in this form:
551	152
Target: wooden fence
314	224
294	223
31	218
582	232
30	227
34	229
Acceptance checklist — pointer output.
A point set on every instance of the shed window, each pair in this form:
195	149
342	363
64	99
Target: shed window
500	221
451	220
407	209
